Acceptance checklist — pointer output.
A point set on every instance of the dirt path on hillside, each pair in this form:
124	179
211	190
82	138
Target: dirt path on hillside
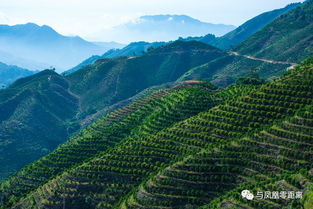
292	65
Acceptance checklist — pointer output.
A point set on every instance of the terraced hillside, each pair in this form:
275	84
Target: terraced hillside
280	159
94	90
147	116
160	163
57	106
32	122
269	160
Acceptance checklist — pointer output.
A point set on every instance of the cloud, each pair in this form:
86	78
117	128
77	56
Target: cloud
4	19
11	20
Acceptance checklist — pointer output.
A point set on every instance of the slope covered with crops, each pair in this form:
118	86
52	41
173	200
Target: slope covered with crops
146	116
188	151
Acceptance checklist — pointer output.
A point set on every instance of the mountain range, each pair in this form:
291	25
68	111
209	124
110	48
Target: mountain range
151	28
40	47
224	42
137	48
179	125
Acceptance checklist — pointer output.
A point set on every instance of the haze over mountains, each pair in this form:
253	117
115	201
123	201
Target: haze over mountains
153	28
37	47
40	47
26	45
225	42
132	49
10	73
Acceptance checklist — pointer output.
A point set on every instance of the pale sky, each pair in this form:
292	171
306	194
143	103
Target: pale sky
85	17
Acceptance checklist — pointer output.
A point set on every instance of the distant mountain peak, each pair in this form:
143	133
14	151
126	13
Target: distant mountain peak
25	29
38	47
169	18
31	25
162	27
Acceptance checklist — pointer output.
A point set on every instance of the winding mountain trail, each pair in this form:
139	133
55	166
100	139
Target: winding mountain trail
292	65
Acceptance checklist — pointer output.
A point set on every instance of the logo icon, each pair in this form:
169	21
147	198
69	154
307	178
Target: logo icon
247	194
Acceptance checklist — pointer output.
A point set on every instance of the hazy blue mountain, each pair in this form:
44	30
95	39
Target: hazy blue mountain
15	59
42	47
133	49
162	28
10	73
110	45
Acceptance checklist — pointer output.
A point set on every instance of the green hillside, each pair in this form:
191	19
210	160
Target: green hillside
32	122
179	125
225	70
181	151
288	38
249	28
270	52
287	150
86	95
269	160
222	68
107	84
111	80
147	116
132	49
39	112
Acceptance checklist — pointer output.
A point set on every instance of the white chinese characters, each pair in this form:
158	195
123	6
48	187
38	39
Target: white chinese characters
274	195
